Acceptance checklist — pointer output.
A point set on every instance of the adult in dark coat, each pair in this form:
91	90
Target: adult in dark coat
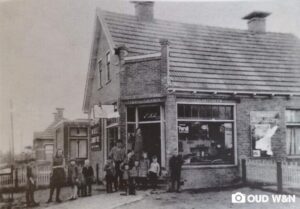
58	176
88	174
30	187
175	164
138	148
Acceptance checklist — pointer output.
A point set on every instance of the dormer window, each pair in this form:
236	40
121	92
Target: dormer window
108	66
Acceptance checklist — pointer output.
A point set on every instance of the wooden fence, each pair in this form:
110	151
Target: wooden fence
17	177
282	174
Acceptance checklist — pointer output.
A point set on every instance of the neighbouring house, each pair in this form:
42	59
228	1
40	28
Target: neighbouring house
43	141
214	94
71	136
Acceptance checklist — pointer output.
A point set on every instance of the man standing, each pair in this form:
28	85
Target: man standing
175	164
118	154
57	178
30	187
88	173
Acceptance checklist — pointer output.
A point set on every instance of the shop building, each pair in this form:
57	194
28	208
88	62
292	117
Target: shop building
216	95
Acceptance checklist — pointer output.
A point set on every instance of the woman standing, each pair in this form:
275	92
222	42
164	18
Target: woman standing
57	178
138	148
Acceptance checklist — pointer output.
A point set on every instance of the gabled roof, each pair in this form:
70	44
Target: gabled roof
214	58
48	133
208	58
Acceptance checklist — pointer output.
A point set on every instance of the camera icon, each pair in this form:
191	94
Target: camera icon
238	198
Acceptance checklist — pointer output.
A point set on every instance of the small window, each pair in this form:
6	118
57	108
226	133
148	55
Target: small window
292	132
100	74
108	66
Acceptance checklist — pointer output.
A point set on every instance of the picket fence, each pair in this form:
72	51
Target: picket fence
18	176
270	171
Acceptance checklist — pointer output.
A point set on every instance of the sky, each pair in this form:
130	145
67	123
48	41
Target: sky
45	47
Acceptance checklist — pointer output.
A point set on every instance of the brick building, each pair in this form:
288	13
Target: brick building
216	95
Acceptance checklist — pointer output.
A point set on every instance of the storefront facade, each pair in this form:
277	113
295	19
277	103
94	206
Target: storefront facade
175	100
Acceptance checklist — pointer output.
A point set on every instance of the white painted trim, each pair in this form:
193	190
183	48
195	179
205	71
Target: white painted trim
232	92
144	56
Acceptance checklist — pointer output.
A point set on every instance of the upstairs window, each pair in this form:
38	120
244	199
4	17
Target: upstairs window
100	74
108	66
292	118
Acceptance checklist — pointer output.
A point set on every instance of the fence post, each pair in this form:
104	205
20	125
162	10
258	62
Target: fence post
97	173
16	178
279	177
244	173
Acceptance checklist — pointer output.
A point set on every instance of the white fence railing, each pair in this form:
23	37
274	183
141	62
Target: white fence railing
269	171
41	172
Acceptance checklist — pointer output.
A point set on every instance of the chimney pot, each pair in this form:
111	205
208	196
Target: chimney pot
257	21
144	10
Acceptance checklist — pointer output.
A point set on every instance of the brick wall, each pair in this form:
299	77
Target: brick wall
141	78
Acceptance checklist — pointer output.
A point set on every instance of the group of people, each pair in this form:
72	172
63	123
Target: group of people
80	178
124	171
134	170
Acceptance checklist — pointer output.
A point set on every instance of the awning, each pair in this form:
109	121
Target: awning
105	111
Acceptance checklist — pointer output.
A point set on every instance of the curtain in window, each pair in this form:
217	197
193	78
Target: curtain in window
293	141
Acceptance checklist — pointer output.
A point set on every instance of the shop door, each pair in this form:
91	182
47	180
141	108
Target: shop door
151	139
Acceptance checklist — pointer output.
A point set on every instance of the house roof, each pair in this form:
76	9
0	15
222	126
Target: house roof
213	58
48	133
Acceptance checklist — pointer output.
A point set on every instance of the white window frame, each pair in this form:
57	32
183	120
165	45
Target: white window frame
200	120
293	125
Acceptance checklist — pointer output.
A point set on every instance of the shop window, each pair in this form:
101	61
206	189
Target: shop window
293	132
217	112
206	134
149	113
78	148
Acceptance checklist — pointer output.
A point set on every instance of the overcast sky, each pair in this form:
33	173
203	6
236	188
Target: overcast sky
45	45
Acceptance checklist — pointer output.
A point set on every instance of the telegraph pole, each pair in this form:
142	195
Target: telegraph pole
12	143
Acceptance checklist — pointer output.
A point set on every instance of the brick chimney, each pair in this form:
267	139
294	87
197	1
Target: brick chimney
59	113
257	21
144	10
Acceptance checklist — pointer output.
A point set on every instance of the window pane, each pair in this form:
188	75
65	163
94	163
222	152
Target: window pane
82	149
293	140
292	116
206	143
73	151
205	112
131	114
151	113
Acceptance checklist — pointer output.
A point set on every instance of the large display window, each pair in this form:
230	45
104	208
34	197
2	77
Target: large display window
206	133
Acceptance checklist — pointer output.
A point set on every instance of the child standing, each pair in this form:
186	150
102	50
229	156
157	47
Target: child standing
110	175
126	174
133	174
154	172
144	166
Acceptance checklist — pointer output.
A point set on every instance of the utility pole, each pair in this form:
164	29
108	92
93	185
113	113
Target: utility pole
12	143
